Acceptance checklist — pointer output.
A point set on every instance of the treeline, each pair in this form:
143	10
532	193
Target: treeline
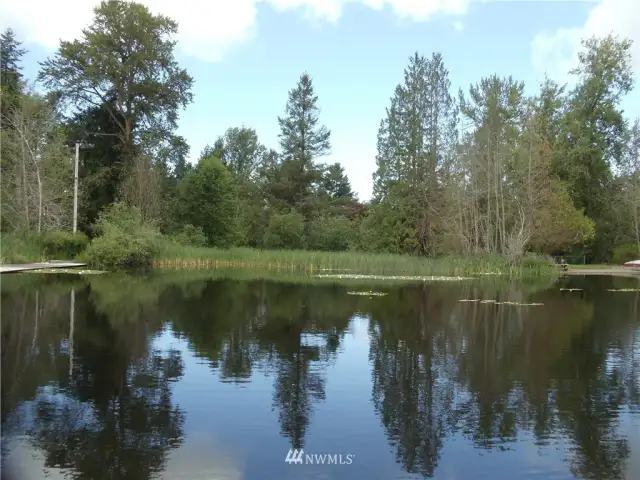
487	171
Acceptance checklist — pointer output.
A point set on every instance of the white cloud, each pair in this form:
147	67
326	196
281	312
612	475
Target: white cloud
555	53
458	26
207	28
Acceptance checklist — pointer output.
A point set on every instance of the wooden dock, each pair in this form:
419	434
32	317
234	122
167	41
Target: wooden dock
22	267
613	271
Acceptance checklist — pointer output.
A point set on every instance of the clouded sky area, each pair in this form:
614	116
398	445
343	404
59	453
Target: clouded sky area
246	54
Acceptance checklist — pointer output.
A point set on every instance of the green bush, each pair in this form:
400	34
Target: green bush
208	199
191	236
123	240
625	253
61	244
285	231
330	234
121	216
117	250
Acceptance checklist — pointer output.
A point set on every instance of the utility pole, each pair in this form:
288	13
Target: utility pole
75	189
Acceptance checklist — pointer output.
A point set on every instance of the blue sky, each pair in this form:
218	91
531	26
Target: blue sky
246	54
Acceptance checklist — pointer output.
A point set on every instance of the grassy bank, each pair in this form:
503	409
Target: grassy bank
163	253
171	255
33	247
21	249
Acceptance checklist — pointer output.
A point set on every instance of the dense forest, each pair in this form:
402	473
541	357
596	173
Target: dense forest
488	170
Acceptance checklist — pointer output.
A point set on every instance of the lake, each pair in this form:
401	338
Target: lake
209	375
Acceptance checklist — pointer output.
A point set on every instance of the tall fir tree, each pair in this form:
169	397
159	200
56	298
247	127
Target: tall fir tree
302	140
416	142
11	80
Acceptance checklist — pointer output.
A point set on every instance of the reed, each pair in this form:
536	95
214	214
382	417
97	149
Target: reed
177	257
21	248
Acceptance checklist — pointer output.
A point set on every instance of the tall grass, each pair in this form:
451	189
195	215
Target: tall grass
21	248
172	255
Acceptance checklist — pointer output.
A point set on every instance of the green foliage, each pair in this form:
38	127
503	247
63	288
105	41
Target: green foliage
253	221
385	229
302	140
146	83
11	81
191	236
593	130
20	247
524	173
123	240
416	142
208	200
330	234
560	225
240	151
335	182
63	244
285	231
625	253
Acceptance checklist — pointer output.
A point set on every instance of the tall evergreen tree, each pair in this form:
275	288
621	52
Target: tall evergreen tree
11	80
335	182
416	143
302	140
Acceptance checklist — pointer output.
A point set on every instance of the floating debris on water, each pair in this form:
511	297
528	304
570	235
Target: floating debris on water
491	273
368	294
571	290
494	302
390	277
623	289
74	271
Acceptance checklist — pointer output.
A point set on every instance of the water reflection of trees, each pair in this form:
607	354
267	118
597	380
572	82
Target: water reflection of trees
290	331
439	367
105	412
489	371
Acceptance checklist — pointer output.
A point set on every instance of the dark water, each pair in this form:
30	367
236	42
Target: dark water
182	377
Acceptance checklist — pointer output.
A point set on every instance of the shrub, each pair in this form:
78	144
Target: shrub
285	230
625	253
121	216
61	244
191	236
330	234
123	240
116	250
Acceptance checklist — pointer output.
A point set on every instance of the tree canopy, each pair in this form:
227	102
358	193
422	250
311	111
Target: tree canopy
489	169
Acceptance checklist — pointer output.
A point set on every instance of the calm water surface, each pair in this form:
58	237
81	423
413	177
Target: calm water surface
185	377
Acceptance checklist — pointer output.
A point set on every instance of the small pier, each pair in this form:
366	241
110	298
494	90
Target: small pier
23	267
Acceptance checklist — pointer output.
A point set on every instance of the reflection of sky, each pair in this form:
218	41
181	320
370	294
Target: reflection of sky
232	430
